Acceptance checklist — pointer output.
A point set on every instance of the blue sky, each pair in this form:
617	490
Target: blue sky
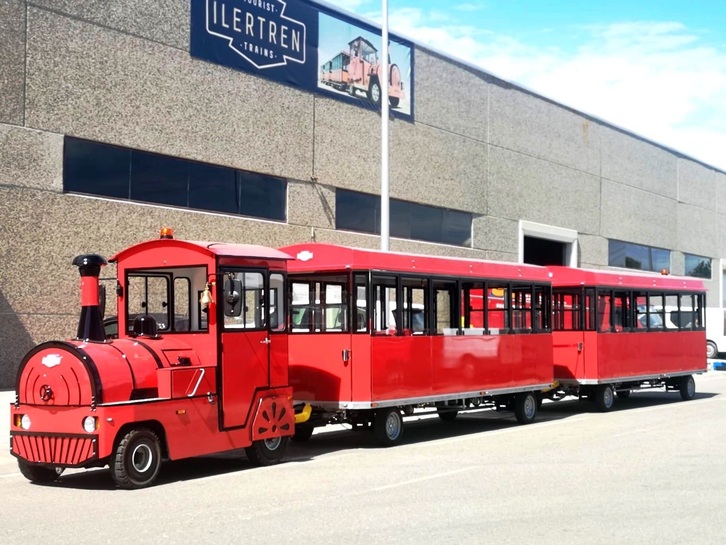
656	68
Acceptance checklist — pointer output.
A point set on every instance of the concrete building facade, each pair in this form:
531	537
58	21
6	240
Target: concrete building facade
120	72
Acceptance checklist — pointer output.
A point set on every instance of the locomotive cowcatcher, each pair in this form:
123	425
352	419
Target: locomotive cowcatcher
199	366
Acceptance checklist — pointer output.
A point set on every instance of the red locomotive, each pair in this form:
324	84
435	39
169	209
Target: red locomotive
218	343
199	366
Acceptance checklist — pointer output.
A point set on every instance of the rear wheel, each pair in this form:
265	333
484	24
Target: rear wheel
39	474
525	407
393	101
388	426
687	388
447	415
711	350
267	452
137	459
604	397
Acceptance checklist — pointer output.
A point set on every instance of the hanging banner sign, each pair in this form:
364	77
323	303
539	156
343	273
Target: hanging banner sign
299	43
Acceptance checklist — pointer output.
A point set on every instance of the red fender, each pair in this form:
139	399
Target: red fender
275	417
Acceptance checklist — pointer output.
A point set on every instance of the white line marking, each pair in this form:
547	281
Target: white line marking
430	477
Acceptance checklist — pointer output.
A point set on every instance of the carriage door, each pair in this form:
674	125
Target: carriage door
245	353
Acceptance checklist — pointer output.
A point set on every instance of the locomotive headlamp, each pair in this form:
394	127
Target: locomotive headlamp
22	421
90	424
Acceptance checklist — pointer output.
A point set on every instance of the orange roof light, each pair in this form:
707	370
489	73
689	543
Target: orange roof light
664	272
166	232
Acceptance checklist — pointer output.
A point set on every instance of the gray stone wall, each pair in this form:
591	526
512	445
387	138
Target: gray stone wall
119	71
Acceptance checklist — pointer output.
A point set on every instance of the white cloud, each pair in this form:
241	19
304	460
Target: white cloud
657	79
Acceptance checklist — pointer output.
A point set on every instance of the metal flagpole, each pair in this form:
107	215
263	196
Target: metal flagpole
385	205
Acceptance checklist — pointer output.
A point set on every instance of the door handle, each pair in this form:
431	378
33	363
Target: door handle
346	355
265	341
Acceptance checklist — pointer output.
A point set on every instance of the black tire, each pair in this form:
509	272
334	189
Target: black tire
711	350
603	397
39	474
687	387
388	426
393	101
374	92
447	415
623	394
267	452
137	459
303	432
525	407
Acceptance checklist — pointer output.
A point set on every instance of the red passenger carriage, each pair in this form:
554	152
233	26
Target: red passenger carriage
199	366
375	335
617	331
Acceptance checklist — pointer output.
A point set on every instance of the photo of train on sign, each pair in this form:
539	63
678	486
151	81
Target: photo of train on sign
223	346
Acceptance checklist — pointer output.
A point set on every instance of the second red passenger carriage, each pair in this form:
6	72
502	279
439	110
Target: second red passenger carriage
376	335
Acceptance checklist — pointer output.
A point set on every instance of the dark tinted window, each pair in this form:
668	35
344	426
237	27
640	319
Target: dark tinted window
698	266
158	179
637	256
263	196
112	171
213	188
357	212
361	212
98	169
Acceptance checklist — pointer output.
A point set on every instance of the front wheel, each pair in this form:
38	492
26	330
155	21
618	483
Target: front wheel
137	459
687	388
374	93
388	426
711	350
267	452
604	397
525	407
39	474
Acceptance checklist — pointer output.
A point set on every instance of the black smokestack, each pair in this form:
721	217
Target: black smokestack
90	325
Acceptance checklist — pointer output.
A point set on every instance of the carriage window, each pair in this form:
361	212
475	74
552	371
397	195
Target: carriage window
522	308
360	303
182	304
277	302
472	308
385	313
319	304
567	310
685	311
415	320
649	311
244	297
498	300
445	294
613	311
148	295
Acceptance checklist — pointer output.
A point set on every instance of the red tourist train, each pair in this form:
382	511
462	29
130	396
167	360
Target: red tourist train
230	346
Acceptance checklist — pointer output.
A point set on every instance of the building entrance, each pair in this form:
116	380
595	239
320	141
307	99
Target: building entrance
540	251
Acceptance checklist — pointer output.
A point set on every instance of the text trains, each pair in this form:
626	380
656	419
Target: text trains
254	27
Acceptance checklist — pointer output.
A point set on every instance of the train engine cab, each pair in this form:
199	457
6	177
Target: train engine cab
199	366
